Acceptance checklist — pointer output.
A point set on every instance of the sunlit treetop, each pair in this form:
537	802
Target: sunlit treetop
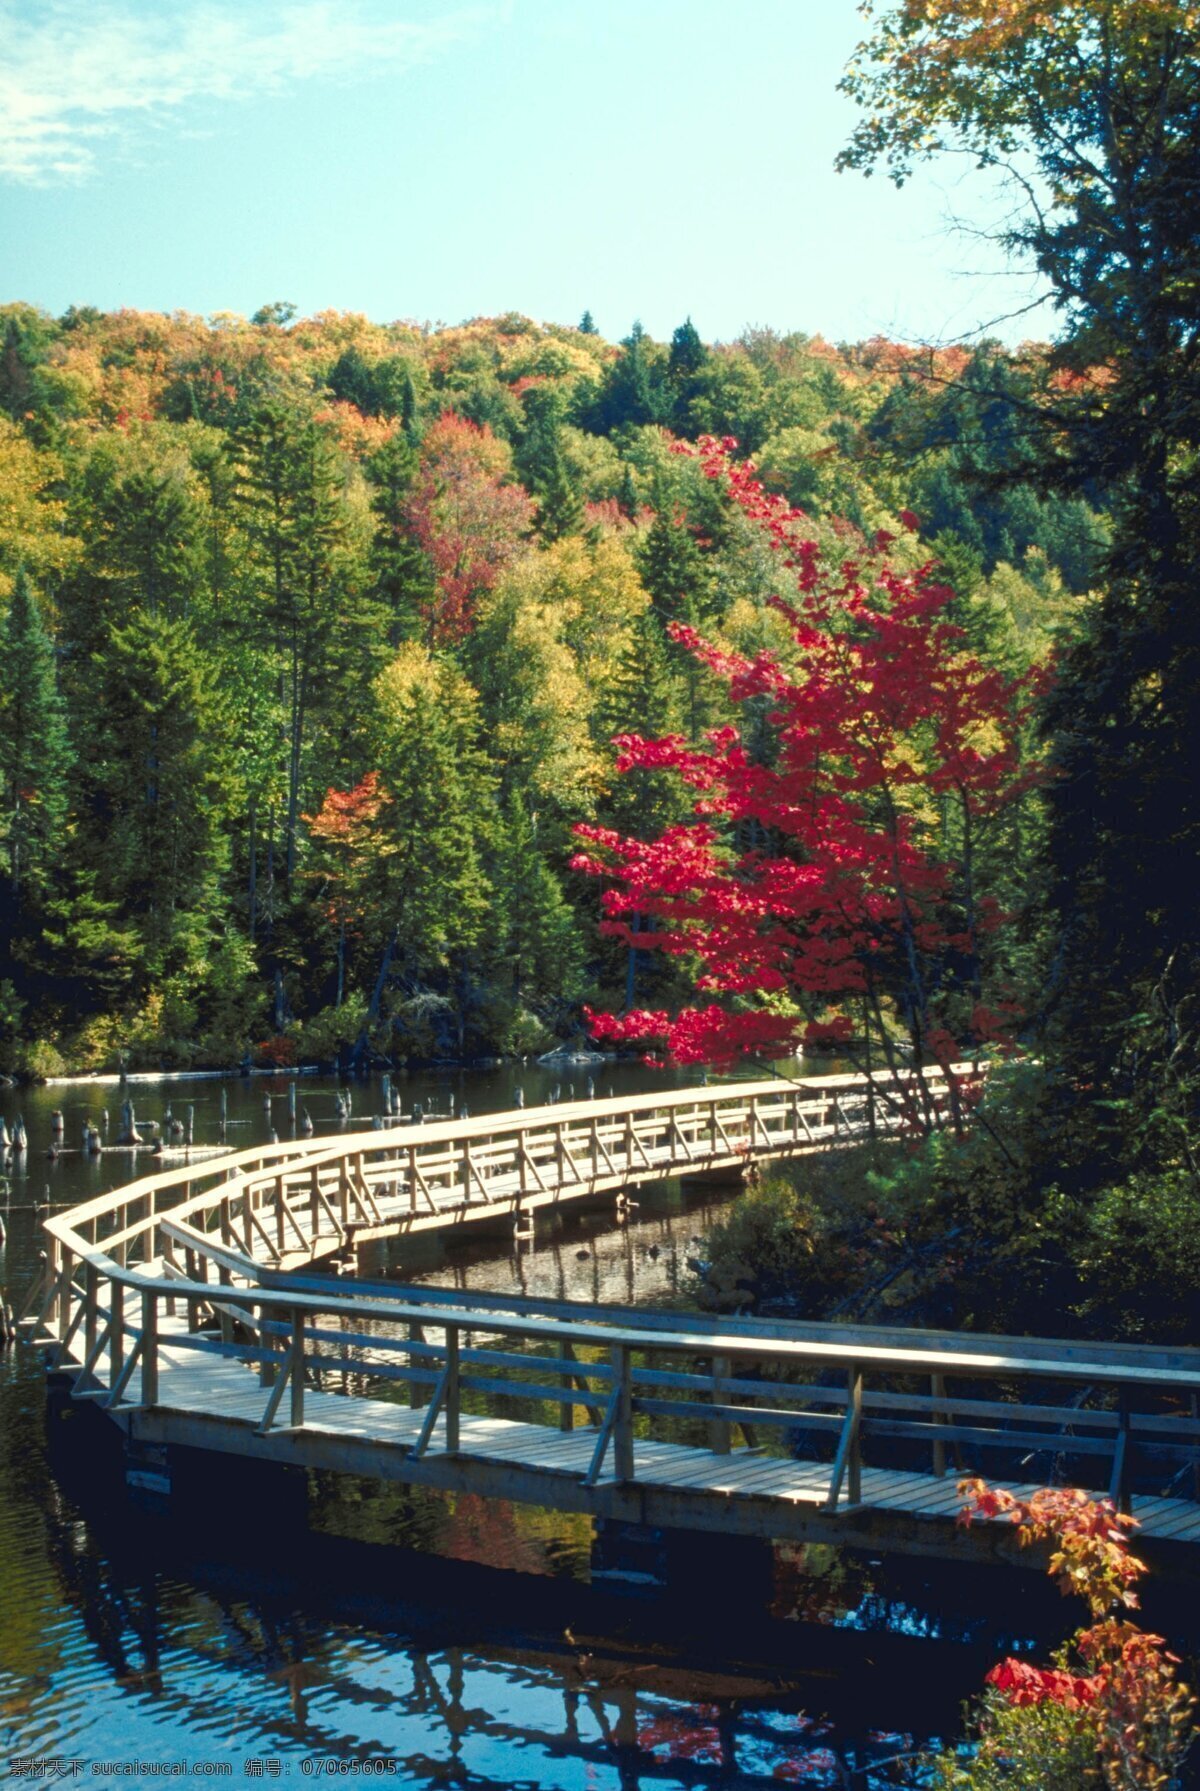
995	76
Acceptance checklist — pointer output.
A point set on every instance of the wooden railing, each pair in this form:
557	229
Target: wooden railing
288	1203
623	1375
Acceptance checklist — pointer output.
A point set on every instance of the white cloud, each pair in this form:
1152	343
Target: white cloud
73	74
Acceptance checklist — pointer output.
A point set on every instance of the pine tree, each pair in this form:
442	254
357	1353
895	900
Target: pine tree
156	788
633	391
16	383
546	475
642	698
676	574
290	492
587	325
539	951
35	754
673	567
401	571
688	354
432	889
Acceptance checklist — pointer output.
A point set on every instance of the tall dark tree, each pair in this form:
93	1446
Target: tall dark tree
538	948
1101	99
35	754
544	470
401	572
155	786
634	390
290	489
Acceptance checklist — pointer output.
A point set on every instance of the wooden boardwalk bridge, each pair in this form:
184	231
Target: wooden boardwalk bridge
191	1307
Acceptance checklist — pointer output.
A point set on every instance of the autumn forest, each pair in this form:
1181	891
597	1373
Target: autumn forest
319	634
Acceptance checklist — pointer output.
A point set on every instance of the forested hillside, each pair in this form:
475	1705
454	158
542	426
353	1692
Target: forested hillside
316	634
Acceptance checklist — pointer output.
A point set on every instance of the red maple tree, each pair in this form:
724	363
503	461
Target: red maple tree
467	518
831	888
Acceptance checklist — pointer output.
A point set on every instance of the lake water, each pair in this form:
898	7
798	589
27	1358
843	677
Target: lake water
422	1639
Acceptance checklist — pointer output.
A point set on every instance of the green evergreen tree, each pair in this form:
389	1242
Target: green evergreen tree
433	890
587	325
559	499
543	468
308	588
538	949
673	567
675	571
642	697
35	753
155	785
402	577
688	354
634	390
16	379
353	381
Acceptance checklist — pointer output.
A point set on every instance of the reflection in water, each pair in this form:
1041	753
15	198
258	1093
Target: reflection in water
148	1650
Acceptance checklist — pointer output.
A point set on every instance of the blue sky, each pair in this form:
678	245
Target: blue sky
436	161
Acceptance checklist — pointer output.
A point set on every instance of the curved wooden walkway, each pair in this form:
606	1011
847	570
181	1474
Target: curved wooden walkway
188	1306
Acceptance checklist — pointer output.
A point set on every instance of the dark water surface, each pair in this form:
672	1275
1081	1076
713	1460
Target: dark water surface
419	1638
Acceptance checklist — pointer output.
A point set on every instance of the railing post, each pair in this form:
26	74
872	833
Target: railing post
416	1393
452	1390
847	1462
566	1413
937	1387
296	1376
116	1331
64	1297
279	1238
721	1429
623	1424
53	1269
266	1368
854	1391
91	1290
466	1172
149	1348
1118	1486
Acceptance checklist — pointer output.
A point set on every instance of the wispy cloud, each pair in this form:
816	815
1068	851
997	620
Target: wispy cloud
73	75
